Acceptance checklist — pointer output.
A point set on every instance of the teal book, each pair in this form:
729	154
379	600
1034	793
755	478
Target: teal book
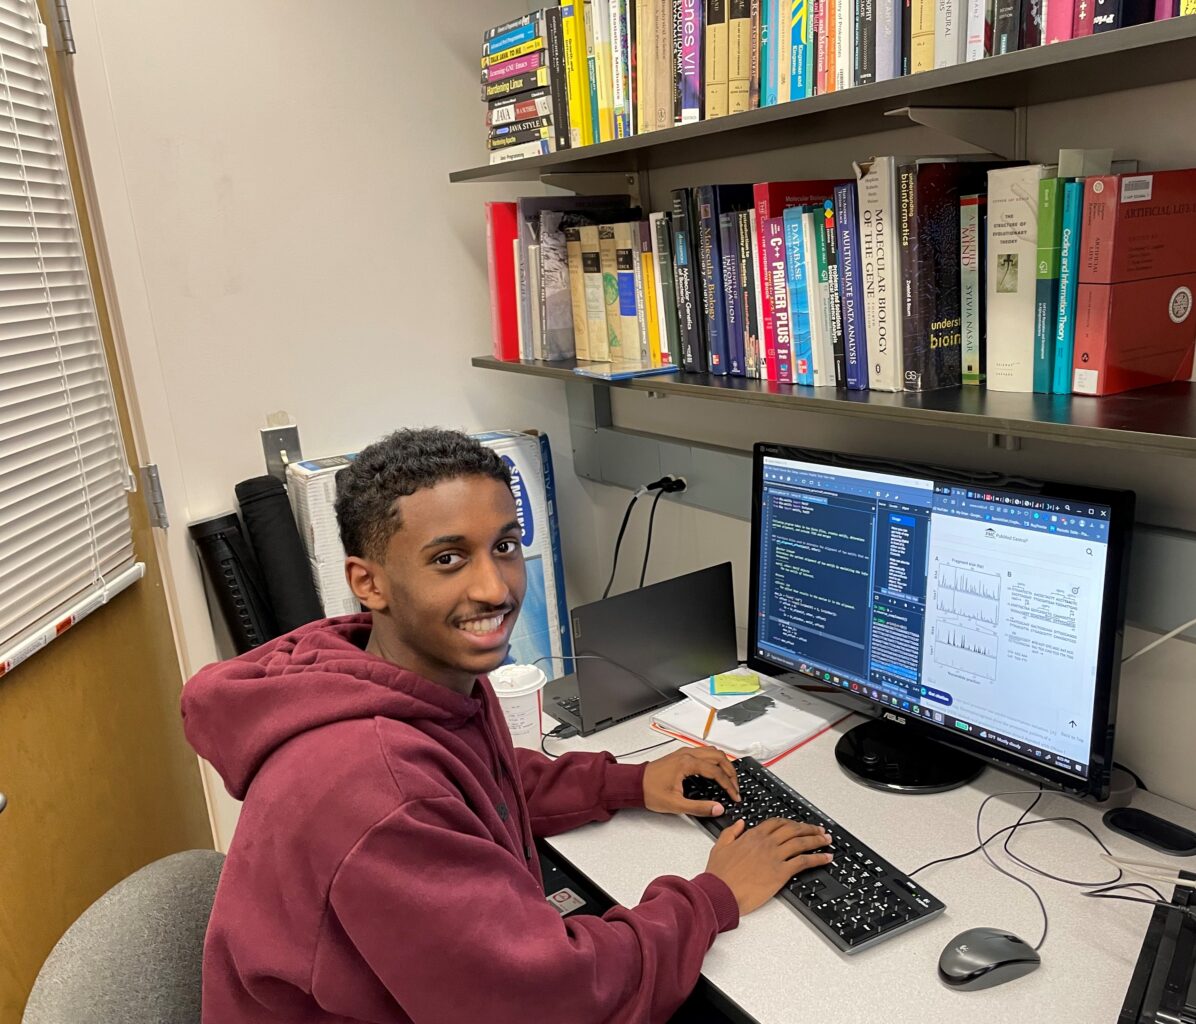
801	63
1069	279
799	303
1046	292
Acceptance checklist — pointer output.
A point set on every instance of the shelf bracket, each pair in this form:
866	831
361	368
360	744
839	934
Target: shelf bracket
993	130
601	183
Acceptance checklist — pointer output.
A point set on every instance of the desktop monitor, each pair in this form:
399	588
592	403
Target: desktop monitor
972	616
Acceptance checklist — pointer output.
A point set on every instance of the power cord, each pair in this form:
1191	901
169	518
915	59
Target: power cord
564	732
670	697
614	565
665	485
1158	641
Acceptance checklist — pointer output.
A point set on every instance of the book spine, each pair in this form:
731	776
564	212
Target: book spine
834	292
1060	18
1007	26
767	324
532	130
971	286
1069	273
799	304
888	40
494	59
777	267
537	79
937	208
597	330
537	103
757	58
782	42
755	278
739	55
515	66
817	280
591	69
645	300
718	55
769	16
922	35
1097	233
621	83
626	258
665	87
914	357
609	262
1097	241
824	78
1046	287
535	297
907	37
511	32
844	44
645	70
866	42
880	269
604	68
1081	24
577	87
666	289
714	303
1033	23
801	83
977	15
686	277
1011	283
851	288
732	286
692	64
521	285
950	34
558	80
521	152
501	233
577	294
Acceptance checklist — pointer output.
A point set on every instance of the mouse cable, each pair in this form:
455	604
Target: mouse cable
1046	918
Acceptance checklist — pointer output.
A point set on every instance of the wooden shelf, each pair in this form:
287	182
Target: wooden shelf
1127	58
1160	420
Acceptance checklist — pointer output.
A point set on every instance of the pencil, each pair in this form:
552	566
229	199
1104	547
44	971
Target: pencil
709	723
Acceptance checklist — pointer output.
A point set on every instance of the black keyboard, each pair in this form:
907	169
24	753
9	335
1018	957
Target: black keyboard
855	901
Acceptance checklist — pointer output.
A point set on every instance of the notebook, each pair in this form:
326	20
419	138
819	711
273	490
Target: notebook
795	719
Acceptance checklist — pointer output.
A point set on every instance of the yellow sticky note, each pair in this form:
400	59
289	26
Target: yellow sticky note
727	684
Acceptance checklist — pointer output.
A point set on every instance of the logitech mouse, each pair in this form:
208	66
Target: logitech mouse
983	957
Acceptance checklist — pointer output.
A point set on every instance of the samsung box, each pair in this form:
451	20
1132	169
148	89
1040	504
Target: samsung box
311	486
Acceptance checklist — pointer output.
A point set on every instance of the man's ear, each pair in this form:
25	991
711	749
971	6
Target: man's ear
368	583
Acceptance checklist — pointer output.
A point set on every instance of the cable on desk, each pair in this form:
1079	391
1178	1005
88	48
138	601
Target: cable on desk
552	735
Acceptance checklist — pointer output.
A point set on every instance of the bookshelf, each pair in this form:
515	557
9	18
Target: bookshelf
1128	58
1159	420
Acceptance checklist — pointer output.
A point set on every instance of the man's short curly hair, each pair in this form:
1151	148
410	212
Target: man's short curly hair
401	464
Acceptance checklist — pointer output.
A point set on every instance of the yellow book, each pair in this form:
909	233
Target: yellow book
599	23
522	50
651	310
1187	7
577	294
645	67
717	58
597	336
739	68
627	249
922	35
577	78
610	291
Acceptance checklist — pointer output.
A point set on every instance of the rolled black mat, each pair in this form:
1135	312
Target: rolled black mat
275	540
235	580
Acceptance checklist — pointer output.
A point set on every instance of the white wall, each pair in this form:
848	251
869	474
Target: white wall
272	179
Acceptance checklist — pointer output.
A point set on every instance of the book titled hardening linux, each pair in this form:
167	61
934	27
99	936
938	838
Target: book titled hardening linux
1135	324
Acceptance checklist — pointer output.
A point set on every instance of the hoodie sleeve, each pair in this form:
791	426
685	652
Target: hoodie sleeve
576	788
457	929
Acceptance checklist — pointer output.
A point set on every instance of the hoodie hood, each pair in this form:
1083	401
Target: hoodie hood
237	713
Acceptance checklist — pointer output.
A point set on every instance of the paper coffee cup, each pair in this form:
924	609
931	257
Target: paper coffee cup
519	689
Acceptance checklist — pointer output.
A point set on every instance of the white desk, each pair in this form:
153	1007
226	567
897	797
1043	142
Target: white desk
778	969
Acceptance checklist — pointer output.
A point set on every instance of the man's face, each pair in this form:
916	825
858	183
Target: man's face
452	581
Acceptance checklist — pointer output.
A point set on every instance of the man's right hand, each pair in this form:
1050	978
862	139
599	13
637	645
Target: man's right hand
755	863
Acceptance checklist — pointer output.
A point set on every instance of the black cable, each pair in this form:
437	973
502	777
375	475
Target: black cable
670	697
1133	775
648	542
614	565
629	753
1046	918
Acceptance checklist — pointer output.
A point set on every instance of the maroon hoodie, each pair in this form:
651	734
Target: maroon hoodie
383	867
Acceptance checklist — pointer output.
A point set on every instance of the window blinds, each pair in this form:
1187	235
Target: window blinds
65	537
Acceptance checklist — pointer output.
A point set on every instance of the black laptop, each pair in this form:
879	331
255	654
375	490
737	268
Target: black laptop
634	651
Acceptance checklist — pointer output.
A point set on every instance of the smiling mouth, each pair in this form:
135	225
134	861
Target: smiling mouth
483	627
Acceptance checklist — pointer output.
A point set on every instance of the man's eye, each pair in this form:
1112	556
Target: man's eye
448	558
507	547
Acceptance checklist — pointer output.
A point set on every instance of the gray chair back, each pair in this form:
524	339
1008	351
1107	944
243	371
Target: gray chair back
135	955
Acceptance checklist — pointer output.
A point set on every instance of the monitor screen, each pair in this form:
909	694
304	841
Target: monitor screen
982	611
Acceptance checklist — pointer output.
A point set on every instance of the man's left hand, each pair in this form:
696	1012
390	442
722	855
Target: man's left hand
664	776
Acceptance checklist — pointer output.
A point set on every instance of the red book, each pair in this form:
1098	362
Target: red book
1081	24
501	230
1137	276
771	199
1060	20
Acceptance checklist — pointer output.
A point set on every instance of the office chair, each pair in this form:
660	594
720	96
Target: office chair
134	956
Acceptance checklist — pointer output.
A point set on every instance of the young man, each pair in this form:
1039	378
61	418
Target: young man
383	868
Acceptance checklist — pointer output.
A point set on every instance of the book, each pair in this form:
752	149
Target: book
889	18
1069	273
1007	26
717	57
739	55
1011	280
608	260
514	109
511	66
757	35
581	128
534	303
687	279
501	236
835	293
784	51
621	98
1134	322
644	64
531	130
554	31
1046	287
521	286
879	263
1082	21
1112	14
556	301
604	68
865	42
922	28
712	201
1033	24
587	20
950	33
973	218
844	40
663	61
732	290
537	79
778	352
577	293
651	306
822	353
855	347
666	288
626	258
800	315
511	32
597	329
749	279
1060	18
979	30
824	52
692	33
621	371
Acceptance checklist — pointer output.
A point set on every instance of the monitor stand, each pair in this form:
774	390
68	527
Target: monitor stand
887	756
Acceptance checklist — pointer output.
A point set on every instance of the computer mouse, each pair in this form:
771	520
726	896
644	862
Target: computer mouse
983	957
